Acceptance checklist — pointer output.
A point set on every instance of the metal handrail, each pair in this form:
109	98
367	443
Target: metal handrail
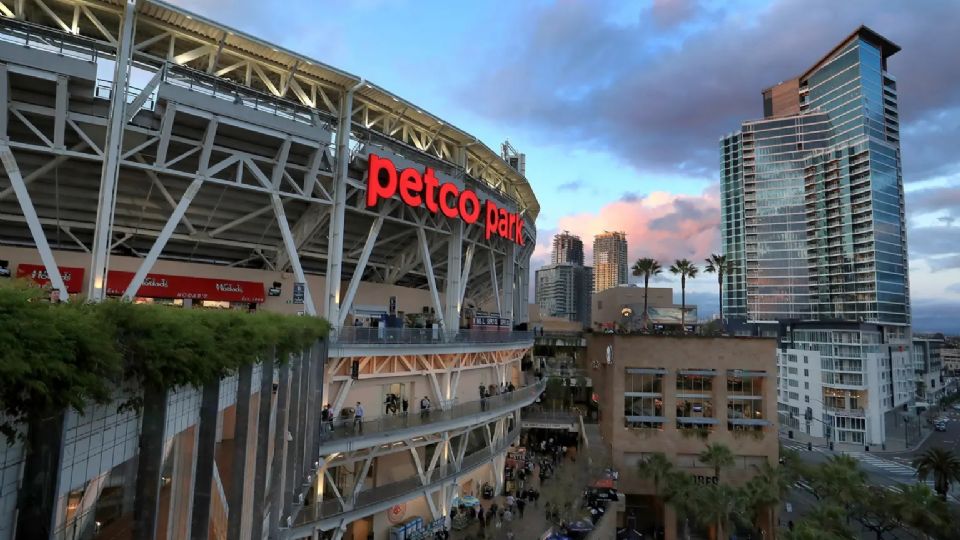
364	335
378	494
344	429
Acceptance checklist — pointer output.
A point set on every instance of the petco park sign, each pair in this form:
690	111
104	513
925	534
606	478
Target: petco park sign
416	190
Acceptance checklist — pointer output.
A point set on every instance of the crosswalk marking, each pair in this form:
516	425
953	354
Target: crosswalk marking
883	464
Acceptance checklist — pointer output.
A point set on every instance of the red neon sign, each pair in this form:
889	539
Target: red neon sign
416	190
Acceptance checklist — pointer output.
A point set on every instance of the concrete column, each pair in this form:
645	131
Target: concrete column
279	449
303	427
451	307
291	477
240	437
509	267
263	447
38	496
181	483
206	454
146	506
316	398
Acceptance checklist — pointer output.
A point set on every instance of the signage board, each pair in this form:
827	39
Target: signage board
195	288
72	276
298	293
418	189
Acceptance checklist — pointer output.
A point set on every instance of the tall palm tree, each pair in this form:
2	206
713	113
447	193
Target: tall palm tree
647	268
943	465
717	456
680	492
718	505
657	468
720	265
823	522
921	509
766	489
839	481
685	269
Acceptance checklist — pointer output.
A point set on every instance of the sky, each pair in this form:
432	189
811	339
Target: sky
619	106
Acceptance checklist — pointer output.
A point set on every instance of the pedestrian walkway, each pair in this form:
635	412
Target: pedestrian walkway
568	474
801	447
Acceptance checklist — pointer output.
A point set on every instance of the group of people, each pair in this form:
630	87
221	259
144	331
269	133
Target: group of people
493	390
393	403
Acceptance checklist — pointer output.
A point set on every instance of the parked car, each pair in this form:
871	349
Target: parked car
940	426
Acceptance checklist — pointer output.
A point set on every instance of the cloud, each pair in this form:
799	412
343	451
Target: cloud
936	315
659	98
955	288
947	262
629	197
693	232
573	185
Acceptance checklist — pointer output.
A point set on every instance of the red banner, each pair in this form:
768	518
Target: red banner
167	286
72	277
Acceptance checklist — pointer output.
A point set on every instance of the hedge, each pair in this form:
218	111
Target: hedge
55	356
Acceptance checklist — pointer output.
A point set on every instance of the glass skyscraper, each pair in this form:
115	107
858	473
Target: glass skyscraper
813	217
812	195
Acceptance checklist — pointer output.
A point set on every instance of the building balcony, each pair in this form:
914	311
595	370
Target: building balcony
390	428
329	513
364	341
856	413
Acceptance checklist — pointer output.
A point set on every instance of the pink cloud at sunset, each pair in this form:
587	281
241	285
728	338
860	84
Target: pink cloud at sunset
661	225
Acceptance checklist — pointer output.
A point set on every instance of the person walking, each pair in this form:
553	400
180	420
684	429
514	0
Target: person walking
483	398
326	420
424	407
358	418
520	505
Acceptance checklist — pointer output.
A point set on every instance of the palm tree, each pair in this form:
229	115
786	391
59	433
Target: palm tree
840	481
647	268
685	269
771	485
824	522
717	506
720	265
920	508
943	465
680	491
657	468
717	456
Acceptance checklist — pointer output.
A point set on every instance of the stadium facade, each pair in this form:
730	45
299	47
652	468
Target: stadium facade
153	155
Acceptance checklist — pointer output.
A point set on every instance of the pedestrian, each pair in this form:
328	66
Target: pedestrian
536	497
358	418
507	515
326	420
520	505
483	398
405	405
424	407
510	501
480	515
511	387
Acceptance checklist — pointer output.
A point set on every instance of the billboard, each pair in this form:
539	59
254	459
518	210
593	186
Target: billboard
671	315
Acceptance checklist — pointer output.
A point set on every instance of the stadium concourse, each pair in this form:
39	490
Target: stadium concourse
155	156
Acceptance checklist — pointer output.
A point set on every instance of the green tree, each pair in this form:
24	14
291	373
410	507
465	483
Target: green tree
720	265
766	490
876	509
647	268
685	269
839	481
680	491
824	522
921	509
717	456
943	465
657	468
718	506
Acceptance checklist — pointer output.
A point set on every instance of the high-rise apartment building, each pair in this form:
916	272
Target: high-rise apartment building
609	260
813	217
567	248
562	288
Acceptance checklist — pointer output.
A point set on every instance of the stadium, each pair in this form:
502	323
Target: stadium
152	155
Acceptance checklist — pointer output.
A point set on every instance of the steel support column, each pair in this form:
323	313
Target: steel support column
279	449
335	227
112	150
368	245
146	505
291	247
509	285
452	303
428	270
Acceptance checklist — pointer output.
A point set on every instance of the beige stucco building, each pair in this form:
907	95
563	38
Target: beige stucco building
675	395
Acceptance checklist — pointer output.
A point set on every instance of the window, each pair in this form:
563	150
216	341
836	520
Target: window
744	385
647	383
806	373
744	409
638	412
694	383
700	407
806	386
806	399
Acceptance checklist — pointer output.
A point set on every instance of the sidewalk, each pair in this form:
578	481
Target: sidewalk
568	474
895	444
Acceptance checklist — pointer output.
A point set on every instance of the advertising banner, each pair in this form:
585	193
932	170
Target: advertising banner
72	277
169	286
671	315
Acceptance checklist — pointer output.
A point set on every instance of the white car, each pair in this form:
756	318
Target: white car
956	407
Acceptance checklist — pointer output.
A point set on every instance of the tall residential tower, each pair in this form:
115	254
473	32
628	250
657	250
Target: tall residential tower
567	248
813	216
563	287
609	260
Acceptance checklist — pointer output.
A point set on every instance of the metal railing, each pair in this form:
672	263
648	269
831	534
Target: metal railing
409	487
345	429
363	335
41	38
